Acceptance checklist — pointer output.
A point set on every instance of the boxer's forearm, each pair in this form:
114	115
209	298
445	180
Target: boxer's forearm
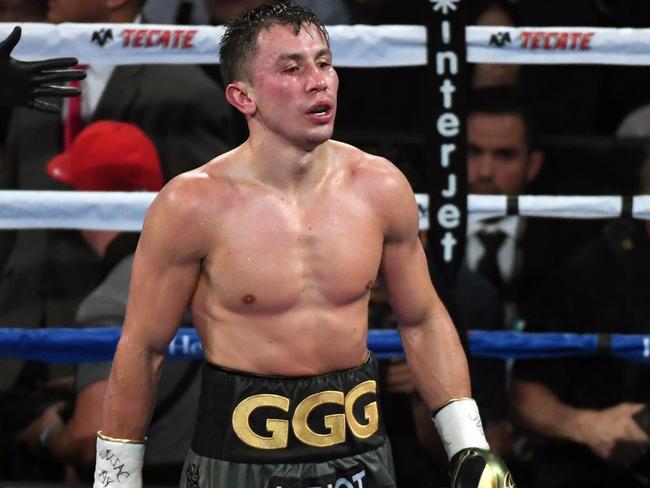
436	358
127	407
130	392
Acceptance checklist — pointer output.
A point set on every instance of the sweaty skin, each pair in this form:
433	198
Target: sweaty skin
282	283
275	246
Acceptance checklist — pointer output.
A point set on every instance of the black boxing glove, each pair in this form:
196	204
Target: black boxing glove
472	464
22	82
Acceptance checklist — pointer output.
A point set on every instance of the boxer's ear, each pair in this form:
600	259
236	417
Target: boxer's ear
239	96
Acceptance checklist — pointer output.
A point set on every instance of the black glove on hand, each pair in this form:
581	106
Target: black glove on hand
479	468
22	82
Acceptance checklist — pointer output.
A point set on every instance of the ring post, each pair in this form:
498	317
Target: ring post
446	146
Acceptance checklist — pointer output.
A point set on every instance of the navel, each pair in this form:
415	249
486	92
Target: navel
248	299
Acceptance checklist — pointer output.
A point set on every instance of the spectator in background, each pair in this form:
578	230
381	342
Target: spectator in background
180	109
220	12
502	159
513	253
492	13
45	274
115	156
25	83
23	10
332	12
581	410
635	124
16	11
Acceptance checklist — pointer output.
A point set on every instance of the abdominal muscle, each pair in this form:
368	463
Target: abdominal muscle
303	341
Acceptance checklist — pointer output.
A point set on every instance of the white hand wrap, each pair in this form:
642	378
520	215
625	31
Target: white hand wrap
459	426
118	463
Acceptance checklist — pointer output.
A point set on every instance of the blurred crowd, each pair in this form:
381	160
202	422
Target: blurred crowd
564	130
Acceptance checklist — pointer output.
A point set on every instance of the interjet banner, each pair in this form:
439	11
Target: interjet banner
446	162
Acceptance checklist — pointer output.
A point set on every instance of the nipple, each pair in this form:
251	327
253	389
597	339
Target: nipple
248	299
369	285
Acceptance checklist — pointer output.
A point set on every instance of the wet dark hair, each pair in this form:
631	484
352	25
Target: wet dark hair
239	41
504	100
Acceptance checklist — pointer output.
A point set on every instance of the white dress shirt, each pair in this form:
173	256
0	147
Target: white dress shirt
511	226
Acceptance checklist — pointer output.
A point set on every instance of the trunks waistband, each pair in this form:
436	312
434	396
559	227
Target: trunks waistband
265	419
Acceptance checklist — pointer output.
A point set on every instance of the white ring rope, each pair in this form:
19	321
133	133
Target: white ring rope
558	45
354	46
20	209
27	209
559	206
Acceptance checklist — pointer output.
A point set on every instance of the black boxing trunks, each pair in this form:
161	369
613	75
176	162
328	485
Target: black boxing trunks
289	432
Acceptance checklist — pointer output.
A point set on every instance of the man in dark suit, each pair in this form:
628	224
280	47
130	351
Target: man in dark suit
502	159
581	411
46	274
586	414
514	253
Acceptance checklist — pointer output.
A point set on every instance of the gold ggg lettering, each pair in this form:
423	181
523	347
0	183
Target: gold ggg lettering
278	428
370	411
335	423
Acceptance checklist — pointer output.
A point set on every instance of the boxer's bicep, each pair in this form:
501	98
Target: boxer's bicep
404	266
165	271
407	281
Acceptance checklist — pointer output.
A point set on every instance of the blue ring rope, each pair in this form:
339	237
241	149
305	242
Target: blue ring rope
71	345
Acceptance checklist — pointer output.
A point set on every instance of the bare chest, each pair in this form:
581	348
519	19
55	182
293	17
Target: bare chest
274	257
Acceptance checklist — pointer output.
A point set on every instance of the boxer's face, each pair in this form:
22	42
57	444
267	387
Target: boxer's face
293	84
76	10
499	161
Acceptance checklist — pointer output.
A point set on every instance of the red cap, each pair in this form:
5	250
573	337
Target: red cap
109	156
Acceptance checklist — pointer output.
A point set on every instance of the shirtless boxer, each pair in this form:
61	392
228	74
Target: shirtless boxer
275	246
